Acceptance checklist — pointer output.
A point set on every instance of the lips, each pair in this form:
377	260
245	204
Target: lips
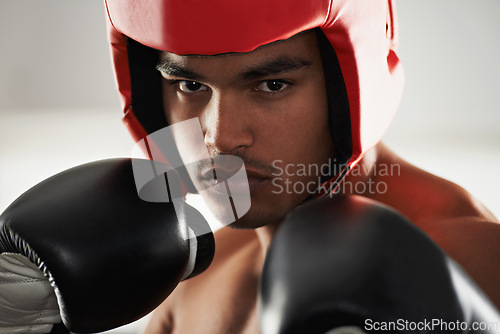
256	176
210	172
222	167
255	182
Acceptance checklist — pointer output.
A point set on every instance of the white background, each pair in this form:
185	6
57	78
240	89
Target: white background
59	107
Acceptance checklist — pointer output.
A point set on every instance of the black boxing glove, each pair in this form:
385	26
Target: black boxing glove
82	247
350	262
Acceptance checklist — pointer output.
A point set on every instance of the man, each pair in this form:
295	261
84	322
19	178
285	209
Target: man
258	90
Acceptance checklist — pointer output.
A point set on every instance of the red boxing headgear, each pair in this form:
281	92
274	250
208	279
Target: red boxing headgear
362	33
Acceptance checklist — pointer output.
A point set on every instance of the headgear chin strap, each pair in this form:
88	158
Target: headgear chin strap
362	36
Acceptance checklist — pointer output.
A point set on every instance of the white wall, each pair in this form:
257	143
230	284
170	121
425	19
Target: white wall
54	55
449	118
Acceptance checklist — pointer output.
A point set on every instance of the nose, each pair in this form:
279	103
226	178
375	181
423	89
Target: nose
227	125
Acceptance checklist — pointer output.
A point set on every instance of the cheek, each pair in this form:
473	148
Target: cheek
299	132
177	108
300	139
311	124
170	105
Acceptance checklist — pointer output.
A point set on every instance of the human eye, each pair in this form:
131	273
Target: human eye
273	86
191	86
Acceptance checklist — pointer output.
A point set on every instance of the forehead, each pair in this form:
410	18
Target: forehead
301	47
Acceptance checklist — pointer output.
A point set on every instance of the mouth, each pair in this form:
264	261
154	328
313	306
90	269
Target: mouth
256	179
220	168
229	168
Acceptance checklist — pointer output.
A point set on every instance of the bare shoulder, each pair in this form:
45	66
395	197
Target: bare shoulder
464	228
443	209
474	243
424	198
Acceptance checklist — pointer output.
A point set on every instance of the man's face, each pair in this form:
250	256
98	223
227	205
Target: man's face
268	107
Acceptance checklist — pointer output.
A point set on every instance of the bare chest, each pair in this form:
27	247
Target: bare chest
222	300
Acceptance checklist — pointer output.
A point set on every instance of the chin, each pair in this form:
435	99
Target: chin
266	209
254	219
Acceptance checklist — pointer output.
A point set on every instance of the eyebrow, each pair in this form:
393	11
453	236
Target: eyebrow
169	67
273	66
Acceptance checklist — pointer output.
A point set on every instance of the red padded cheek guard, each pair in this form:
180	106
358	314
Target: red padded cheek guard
119	57
372	72
362	33
373	75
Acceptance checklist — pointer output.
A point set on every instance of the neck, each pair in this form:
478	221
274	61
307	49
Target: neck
265	234
361	178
